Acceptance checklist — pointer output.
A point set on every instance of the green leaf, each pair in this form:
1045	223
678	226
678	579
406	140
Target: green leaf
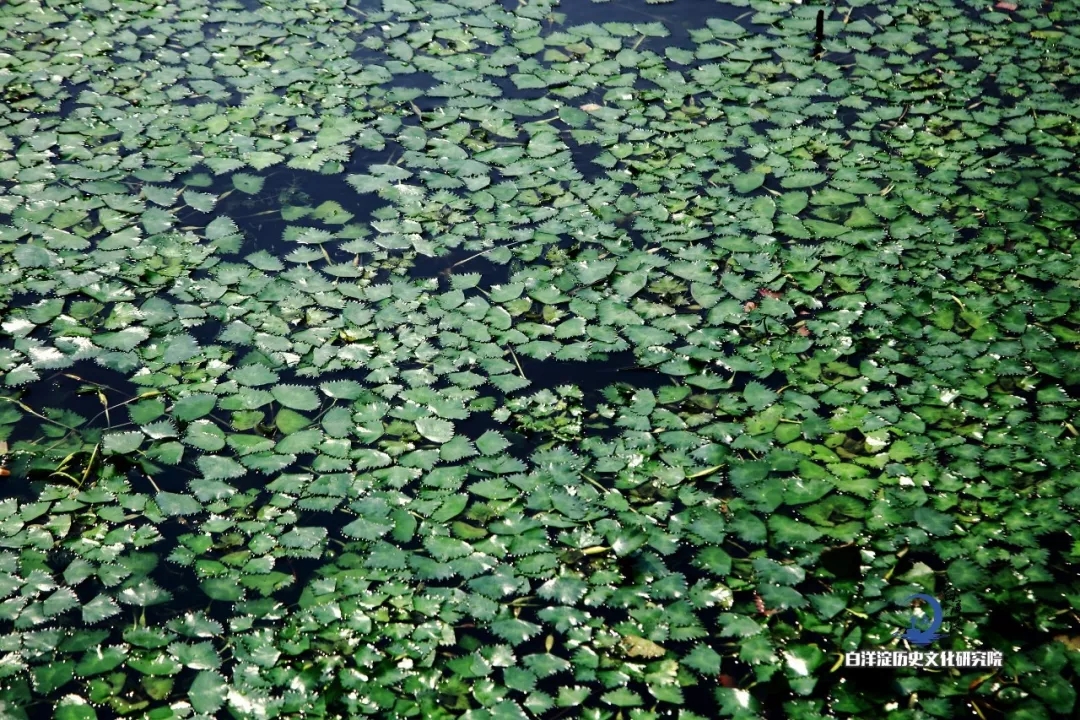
572	696
203	202
802	179
197	656
1052	394
445	549
304	441
491	443
331	213
757	396
124	340
724	29
205	435
157	665
145	412
180	348
667	692
260	160
343	389
543	145
143	592
73	707
303	537
215	467
934	521
704	660
210	490
175	504
248	184
194	406
224	589
594	270
268	463
169	453
21	375
792	532
435	429
829	605
738	286
100	660
747	182
296	397
515	631
98	609
52	676
738	625
622	697
208	692
59	601
290	421
254	375
124	443
458	448
367	529
33	256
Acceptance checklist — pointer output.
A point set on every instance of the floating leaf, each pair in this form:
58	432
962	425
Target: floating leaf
704	660
60	600
52	676
802	179
435	429
143	593
21	375
491	443
194	406
758	396
746	182
100	608
296	397
100	660
223	589
248	184
622	697
215	467
208	692
176	504
203	202
73	707
254	375
638	647
124	443
180	348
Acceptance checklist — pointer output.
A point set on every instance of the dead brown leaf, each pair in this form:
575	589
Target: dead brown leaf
635	647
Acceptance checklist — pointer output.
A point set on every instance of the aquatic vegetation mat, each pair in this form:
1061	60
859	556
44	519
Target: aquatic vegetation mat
457	358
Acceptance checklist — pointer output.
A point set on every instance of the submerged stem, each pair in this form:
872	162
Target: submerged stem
485	252
514	355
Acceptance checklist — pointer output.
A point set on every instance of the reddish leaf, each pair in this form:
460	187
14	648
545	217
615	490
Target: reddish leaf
770	294
1006	5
